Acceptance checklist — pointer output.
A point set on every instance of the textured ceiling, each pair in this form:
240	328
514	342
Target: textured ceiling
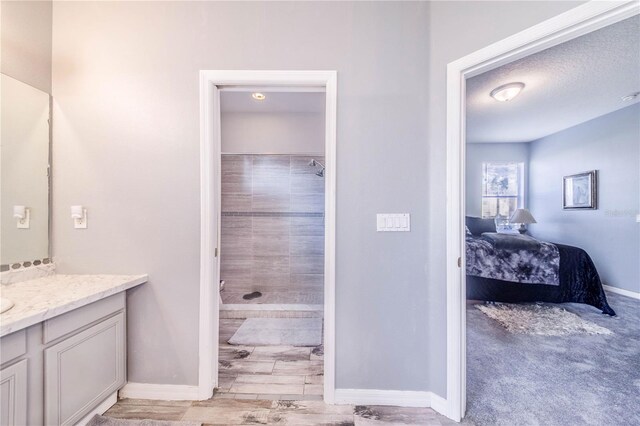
233	101
566	85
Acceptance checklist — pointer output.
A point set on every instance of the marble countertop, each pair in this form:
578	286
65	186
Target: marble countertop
40	299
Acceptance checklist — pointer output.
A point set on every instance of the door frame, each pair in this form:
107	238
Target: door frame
578	21
210	202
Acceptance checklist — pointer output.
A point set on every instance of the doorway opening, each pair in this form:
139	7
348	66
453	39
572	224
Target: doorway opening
268	234
562	28
272	243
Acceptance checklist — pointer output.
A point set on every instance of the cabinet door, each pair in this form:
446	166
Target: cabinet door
13	394
81	371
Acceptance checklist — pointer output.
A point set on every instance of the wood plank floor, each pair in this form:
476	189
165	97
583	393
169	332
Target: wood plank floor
271	372
217	411
271	385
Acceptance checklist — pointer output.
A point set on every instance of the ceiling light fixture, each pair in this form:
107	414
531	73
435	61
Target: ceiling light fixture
631	96
258	96
506	92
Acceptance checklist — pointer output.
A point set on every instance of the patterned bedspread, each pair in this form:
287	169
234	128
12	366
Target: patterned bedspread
541	266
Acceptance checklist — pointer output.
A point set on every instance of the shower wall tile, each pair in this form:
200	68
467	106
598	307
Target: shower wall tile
307	202
235	266
307	280
272	226
236	185
271	245
271	202
271	280
307	184
236	202
306	246
269	265
266	243
307	264
307	226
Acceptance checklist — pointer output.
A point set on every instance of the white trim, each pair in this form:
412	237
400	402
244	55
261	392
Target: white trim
566	26
277	89
210	149
622	291
100	409
396	398
163	392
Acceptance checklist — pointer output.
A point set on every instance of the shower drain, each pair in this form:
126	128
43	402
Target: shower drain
251	296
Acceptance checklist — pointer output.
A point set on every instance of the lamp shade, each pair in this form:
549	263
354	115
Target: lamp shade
522	216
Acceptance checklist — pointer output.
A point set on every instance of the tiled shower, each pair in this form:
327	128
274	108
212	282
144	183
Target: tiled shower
272	239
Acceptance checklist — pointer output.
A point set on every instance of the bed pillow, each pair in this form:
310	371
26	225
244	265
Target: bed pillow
478	225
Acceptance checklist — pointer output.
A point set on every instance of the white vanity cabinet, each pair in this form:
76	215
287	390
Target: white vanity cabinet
13	392
71	364
87	363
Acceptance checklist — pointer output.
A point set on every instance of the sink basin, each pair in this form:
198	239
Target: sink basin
5	304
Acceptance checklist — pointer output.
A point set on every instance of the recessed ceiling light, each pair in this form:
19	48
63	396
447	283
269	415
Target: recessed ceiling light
258	96
506	92
631	96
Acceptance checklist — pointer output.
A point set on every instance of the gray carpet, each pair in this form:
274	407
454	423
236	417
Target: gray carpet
98	420
279	332
580	379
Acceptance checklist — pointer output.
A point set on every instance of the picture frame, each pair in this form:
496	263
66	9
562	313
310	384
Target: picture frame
580	191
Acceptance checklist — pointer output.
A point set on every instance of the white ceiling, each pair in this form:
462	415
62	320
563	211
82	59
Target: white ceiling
241	101
566	85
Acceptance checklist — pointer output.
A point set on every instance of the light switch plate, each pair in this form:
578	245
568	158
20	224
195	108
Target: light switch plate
81	223
393	222
26	222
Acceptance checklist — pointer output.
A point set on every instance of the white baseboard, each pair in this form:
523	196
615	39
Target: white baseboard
100	409
164	392
383	397
421	399
441	405
628	293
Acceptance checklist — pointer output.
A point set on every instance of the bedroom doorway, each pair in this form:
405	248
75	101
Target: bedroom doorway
568	26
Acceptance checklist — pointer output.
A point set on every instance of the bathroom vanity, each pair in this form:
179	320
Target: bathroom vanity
62	337
63	344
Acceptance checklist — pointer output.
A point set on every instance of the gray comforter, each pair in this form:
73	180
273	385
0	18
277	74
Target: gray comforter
510	258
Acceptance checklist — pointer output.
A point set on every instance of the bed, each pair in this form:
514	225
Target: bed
519	268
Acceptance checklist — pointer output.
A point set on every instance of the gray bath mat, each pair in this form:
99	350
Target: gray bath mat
540	319
98	420
279	332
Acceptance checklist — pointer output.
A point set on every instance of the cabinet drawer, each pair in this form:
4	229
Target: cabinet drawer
13	394
78	318
13	346
83	370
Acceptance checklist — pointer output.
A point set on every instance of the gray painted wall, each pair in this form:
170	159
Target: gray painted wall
478	153
272	133
25	42
610	234
125	82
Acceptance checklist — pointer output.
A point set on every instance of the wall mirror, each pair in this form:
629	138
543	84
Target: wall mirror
24	186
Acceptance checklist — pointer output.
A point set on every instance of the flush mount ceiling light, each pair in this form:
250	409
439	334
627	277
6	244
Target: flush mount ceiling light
631	96
506	92
258	96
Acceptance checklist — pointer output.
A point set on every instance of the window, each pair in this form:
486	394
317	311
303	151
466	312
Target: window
502	188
